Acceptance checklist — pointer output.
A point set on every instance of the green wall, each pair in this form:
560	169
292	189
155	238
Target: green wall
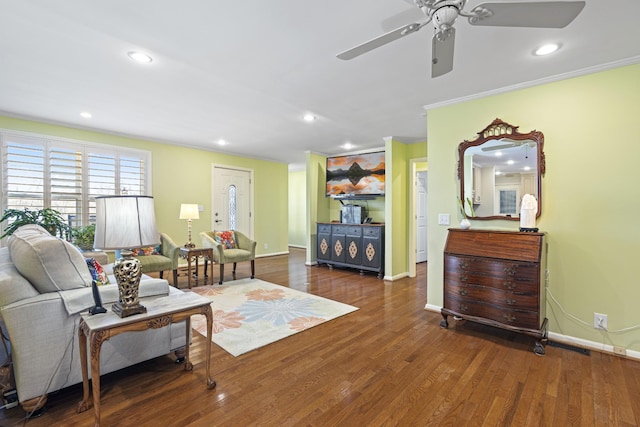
590	195
183	175
298	208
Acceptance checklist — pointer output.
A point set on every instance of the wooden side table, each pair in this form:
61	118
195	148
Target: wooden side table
191	254
161	311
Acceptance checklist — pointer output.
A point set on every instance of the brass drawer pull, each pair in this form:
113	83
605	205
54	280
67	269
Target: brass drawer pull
511	270
509	285
511	301
464	278
509	318
463	292
463	265
464	307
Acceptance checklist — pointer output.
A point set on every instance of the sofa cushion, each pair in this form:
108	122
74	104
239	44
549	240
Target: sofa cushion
49	263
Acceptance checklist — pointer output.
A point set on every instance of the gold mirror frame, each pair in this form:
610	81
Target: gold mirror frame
497	131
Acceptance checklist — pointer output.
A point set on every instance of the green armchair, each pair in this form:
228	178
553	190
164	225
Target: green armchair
245	251
168	260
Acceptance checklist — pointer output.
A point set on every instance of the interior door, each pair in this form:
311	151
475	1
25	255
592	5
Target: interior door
232	200
421	217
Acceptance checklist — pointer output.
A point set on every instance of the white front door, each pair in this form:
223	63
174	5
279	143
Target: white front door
421	217
232	199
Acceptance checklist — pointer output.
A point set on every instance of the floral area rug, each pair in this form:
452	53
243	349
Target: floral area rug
251	313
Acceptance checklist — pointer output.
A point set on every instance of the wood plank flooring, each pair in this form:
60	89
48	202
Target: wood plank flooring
389	363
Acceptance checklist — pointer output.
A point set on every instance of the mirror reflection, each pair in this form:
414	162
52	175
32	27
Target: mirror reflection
498	168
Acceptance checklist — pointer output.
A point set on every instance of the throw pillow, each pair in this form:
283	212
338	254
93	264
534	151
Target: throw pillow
48	262
226	239
97	273
149	250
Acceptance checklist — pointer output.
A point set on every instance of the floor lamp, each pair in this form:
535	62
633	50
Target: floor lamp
125	223
189	212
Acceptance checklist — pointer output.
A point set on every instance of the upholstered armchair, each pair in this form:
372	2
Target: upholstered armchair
230	247
167	259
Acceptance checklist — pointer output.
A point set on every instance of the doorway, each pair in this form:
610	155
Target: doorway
418	214
232	199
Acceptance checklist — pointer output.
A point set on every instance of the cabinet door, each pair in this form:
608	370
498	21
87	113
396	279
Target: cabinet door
372	247
324	242
338	243
353	248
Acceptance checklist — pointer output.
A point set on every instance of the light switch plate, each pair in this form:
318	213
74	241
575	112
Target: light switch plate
443	219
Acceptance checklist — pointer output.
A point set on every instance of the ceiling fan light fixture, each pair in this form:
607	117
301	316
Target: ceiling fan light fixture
546	49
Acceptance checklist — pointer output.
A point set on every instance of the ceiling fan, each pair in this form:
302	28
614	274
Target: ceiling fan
443	13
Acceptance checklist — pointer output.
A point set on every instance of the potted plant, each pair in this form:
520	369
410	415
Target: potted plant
48	218
83	236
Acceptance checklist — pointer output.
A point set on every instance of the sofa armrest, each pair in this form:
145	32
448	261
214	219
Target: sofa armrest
169	249
208	241
246	243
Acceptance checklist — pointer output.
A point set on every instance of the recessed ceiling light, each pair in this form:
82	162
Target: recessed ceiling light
86	115
546	49
143	58
348	146
309	118
221	142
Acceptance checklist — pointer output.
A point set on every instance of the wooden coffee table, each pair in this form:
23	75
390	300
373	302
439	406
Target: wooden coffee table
161	311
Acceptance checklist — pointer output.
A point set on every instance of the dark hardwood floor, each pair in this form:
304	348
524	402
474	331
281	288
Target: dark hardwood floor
389	363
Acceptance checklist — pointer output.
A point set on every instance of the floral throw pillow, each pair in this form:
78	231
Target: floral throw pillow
149	250
97	273
226	239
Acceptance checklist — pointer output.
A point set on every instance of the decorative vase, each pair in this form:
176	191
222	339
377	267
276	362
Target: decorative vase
465	224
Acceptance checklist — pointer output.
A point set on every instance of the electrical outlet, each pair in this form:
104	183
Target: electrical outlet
620	351
600	321
265	246
443	219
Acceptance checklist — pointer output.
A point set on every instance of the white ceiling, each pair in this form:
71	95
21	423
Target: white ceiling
248	70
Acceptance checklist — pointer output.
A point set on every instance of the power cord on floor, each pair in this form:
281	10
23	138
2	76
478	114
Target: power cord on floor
587	324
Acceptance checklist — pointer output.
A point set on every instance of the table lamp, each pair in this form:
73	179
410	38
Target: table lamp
125	223
189	212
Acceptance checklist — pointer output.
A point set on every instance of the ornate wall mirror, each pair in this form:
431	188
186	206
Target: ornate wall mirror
498	168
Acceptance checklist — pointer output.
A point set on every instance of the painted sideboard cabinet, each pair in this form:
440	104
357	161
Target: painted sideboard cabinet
358	246
497	278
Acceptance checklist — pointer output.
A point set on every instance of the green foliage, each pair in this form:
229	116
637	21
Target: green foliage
83	236
50	219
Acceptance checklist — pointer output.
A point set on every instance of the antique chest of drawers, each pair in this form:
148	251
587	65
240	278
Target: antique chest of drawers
497	278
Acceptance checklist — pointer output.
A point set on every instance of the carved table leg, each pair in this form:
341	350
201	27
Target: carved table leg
188	366
444	323
95	343
33	407
84	404
539	348
211	384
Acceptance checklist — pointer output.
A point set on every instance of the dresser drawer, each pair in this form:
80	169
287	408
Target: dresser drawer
514	318
371	231
324	228
505	299
520	277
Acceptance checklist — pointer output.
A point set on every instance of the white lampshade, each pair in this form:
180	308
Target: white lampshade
189	211
125	222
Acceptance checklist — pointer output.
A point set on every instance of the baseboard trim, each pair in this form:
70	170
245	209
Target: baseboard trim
272	254
569	340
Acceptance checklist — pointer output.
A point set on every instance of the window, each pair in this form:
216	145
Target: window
233	209
66	175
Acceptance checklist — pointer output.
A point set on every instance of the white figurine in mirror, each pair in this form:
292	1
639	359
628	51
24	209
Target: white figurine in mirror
528	211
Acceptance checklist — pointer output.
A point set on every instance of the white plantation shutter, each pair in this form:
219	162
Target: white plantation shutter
23	173
67	175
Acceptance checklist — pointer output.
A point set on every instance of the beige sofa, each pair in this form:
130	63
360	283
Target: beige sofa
44	286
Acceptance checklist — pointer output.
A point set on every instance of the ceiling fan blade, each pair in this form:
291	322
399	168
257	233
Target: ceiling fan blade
442	53
552	14
381	40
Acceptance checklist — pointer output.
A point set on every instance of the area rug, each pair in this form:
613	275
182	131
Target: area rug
251	313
